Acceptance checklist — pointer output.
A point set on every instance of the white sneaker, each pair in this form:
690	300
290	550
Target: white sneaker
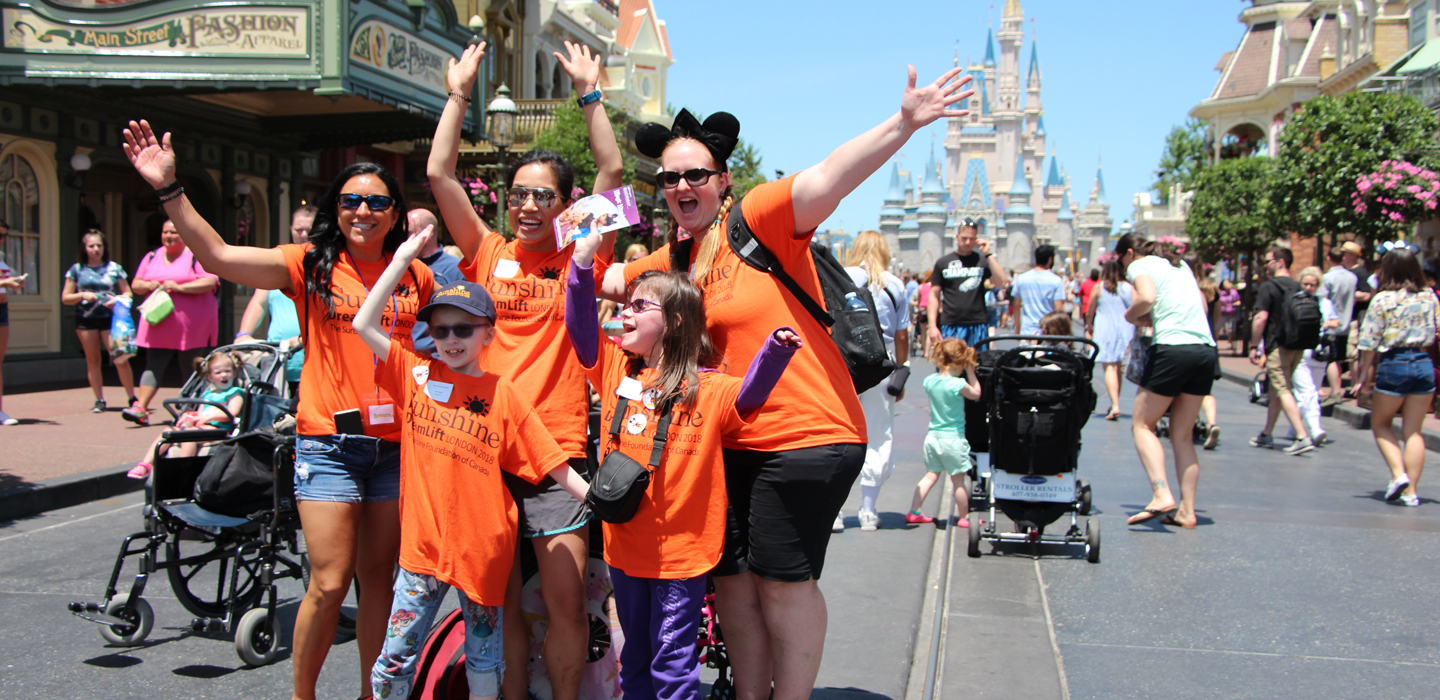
5	419
839	525
1411	500
1393	489
869	522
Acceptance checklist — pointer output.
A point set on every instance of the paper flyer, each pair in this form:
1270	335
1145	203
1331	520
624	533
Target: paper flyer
598	213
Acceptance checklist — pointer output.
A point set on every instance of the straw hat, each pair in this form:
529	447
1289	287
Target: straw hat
1353	248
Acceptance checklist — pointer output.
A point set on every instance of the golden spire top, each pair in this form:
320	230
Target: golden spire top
1012	8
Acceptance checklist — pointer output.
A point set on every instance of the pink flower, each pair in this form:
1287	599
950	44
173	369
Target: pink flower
492	197
1412	189
1429	204
1363	185
1422	196
1396	216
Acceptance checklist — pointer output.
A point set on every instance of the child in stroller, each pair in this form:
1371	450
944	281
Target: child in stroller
946	449
223	402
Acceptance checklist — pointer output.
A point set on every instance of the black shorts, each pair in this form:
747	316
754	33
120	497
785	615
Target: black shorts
93	323
1181	369
782	506
547	508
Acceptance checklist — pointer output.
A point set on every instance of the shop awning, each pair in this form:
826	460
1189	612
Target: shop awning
1425	59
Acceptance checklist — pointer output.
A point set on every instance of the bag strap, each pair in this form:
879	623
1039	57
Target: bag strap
662	429
739	234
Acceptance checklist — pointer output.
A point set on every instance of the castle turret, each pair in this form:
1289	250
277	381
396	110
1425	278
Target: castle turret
1032	84
1093	225
1019	218
892	213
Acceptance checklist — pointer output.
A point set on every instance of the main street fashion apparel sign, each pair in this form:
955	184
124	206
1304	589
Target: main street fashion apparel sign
250	32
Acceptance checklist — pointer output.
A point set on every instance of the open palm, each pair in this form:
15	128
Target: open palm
460	75
152	157
920	106
583	68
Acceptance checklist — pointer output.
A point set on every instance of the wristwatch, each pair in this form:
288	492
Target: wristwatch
587	98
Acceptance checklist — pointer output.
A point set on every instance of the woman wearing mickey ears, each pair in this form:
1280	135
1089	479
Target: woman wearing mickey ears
347	464
526	278
788	472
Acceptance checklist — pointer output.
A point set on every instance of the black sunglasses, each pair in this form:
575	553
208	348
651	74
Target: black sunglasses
669	179
376	202
543	197
461	330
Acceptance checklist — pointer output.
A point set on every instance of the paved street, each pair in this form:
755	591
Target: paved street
1300	582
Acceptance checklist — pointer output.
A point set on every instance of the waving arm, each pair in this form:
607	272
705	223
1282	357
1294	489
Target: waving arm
818	190
367	319
466	226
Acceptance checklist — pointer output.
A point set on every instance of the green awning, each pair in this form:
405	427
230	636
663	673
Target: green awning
1426	58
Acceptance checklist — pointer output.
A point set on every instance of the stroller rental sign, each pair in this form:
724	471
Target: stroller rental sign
1059	488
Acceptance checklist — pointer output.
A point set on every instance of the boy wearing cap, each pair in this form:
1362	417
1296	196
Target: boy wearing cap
460	428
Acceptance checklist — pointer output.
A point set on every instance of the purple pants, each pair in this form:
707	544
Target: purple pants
661	621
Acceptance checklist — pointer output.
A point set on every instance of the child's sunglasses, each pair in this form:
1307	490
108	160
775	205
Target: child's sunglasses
669	179
638	306
376	202
461	330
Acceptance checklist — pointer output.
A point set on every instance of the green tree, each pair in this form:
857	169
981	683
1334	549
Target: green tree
745	170
1187	152
1331	143
568	136
1229	212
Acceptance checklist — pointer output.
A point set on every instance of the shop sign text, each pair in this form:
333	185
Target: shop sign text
230	31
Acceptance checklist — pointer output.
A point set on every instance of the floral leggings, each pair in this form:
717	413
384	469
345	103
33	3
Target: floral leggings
417	599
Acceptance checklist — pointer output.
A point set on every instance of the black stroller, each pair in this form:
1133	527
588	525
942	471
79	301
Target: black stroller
221	555
1035	399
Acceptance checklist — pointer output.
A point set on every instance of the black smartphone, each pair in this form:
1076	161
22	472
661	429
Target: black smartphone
349	422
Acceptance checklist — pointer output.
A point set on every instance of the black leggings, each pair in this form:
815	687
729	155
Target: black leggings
157	359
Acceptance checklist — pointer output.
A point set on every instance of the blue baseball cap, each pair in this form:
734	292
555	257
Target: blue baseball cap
466	296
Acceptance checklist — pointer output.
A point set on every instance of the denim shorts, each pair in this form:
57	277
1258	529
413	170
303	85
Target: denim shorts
1405	372
346	469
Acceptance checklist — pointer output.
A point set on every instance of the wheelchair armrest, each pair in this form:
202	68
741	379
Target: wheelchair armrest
172	404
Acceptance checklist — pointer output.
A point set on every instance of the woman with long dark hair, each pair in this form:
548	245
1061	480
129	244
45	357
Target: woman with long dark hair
91	285
789	471
1181	366
1403	319
526	278
347	465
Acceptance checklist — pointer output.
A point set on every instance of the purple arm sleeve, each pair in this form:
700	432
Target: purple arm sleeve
764	373
581	322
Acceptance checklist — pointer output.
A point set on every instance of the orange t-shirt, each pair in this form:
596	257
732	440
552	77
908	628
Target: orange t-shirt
338	373
679	529
815	402
457	518
530	348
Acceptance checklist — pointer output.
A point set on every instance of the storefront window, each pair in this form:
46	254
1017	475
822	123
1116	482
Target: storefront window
22	213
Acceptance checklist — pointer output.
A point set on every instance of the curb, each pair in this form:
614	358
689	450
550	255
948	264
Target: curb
1349	414
66	491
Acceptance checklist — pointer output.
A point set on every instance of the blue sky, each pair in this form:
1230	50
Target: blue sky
804	77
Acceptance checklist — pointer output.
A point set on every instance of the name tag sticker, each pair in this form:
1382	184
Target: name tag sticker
506	268
629	388
439	391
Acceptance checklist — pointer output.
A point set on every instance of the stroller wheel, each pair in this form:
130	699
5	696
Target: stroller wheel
974	549
1092	541
140	616
1085	497
256	637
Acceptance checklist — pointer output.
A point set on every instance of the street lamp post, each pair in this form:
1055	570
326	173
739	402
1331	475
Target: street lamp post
501	113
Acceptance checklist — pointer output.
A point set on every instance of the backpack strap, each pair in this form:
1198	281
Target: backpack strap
662	429
749	248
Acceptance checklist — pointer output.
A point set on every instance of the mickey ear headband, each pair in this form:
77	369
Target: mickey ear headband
719	133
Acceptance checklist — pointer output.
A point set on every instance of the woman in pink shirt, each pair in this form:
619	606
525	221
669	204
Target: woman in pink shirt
189	331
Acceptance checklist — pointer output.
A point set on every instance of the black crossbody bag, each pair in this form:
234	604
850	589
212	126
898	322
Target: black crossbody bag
620	482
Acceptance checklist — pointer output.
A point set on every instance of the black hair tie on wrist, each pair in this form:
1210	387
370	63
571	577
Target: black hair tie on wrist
165	193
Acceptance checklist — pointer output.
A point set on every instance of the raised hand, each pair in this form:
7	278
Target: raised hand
583	68
153	158
585	248
460	75
411	247
788	338
920	106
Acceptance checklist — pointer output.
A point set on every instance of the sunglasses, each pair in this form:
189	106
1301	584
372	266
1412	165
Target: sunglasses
543	197
638	306
461	330
376	202
669	179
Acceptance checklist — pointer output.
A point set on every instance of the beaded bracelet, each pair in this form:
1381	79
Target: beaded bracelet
456	94
172	194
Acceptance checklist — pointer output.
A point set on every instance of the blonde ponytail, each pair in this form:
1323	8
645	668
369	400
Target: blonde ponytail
710	247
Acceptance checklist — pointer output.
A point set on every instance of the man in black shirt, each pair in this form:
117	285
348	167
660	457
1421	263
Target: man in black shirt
956	308
1280	362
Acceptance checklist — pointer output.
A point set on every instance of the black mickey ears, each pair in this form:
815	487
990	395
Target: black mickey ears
720	133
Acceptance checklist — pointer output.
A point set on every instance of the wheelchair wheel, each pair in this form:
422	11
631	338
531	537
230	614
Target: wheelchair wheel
140	616
200	568
256	637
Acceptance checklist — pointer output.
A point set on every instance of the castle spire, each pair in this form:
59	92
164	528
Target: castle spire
990	47
1054	179
1020	185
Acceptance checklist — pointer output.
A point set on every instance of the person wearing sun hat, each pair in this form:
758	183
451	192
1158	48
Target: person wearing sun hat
461	428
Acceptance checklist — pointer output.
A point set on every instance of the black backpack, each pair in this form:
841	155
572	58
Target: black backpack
855	332
1300	320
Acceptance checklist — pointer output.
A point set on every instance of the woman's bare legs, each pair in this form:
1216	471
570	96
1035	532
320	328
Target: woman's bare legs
90	343
1114	378
1149	408
1382	417
737	599
796	618
4	341
562	559
1417	406
515	683
1407	458
1183	411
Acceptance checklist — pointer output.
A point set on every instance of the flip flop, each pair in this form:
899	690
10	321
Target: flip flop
1150	514
1171	521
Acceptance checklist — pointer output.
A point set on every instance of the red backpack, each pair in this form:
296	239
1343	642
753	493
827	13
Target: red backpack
440	672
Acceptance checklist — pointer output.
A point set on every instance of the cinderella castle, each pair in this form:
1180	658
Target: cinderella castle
996	175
